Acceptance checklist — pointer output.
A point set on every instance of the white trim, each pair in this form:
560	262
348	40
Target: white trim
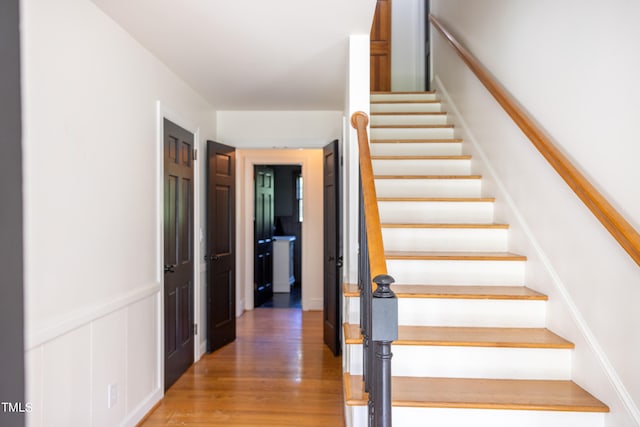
203	346
197	256
315	304
143	408
420	77
581	324
85	316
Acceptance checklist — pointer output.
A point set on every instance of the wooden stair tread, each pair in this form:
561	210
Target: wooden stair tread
456	292
469	337
427	177
539	395
389	92
418	141
437	225
462	256
464	157
408	113
421	126
438	199
407	101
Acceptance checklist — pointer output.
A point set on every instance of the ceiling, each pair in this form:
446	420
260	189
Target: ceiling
251	54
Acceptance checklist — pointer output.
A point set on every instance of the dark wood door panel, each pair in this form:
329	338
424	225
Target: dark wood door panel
178	251
221	285
264	222
380	49
332	258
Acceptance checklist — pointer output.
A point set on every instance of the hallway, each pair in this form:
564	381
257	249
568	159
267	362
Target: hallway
278	372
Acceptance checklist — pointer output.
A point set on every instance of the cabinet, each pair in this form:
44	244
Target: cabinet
283	276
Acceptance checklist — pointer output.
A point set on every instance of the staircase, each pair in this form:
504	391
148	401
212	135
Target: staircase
472	345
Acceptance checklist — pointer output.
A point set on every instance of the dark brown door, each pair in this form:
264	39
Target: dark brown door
221	283
381	47
263	275
178	251
332	257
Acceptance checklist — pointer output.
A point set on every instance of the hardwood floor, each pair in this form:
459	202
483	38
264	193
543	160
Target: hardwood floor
278	372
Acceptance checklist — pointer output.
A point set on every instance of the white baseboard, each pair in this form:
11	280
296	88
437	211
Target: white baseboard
143	409
203	348
313	304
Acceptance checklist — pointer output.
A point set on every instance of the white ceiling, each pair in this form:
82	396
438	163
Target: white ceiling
251	54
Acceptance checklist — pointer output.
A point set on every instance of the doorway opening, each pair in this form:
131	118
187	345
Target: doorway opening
278	219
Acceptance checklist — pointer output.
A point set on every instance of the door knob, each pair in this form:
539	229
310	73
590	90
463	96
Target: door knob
339	262
168	268
214	257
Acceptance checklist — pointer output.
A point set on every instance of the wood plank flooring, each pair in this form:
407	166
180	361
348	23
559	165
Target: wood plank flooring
278	372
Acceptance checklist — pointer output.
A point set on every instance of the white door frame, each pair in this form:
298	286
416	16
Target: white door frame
312	226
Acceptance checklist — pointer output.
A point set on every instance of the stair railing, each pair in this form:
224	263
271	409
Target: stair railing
611	219
379	307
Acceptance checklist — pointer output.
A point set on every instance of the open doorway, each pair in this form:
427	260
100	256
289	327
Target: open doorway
312	225
279	199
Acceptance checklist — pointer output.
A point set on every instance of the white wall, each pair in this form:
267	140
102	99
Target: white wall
573	66
278	129
280	137
312	226
357	99
407	45
92	212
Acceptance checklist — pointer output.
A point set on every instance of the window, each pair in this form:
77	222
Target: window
299	191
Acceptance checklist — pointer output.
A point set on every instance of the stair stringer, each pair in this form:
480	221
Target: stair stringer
592	369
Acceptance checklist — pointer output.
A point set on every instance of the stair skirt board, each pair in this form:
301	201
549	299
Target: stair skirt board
447	417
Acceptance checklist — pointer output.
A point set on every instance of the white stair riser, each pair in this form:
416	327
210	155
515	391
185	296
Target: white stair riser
471	313
351	310
403	97
408	119
407	108
453	417
463	312
428	187
416	149
411	133
436	212
422	167
445	239
457	272
472	362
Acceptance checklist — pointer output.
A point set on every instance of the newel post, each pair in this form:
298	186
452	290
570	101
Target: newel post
384	330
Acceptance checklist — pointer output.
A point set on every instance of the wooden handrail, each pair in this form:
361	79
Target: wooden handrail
359	121
612	220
